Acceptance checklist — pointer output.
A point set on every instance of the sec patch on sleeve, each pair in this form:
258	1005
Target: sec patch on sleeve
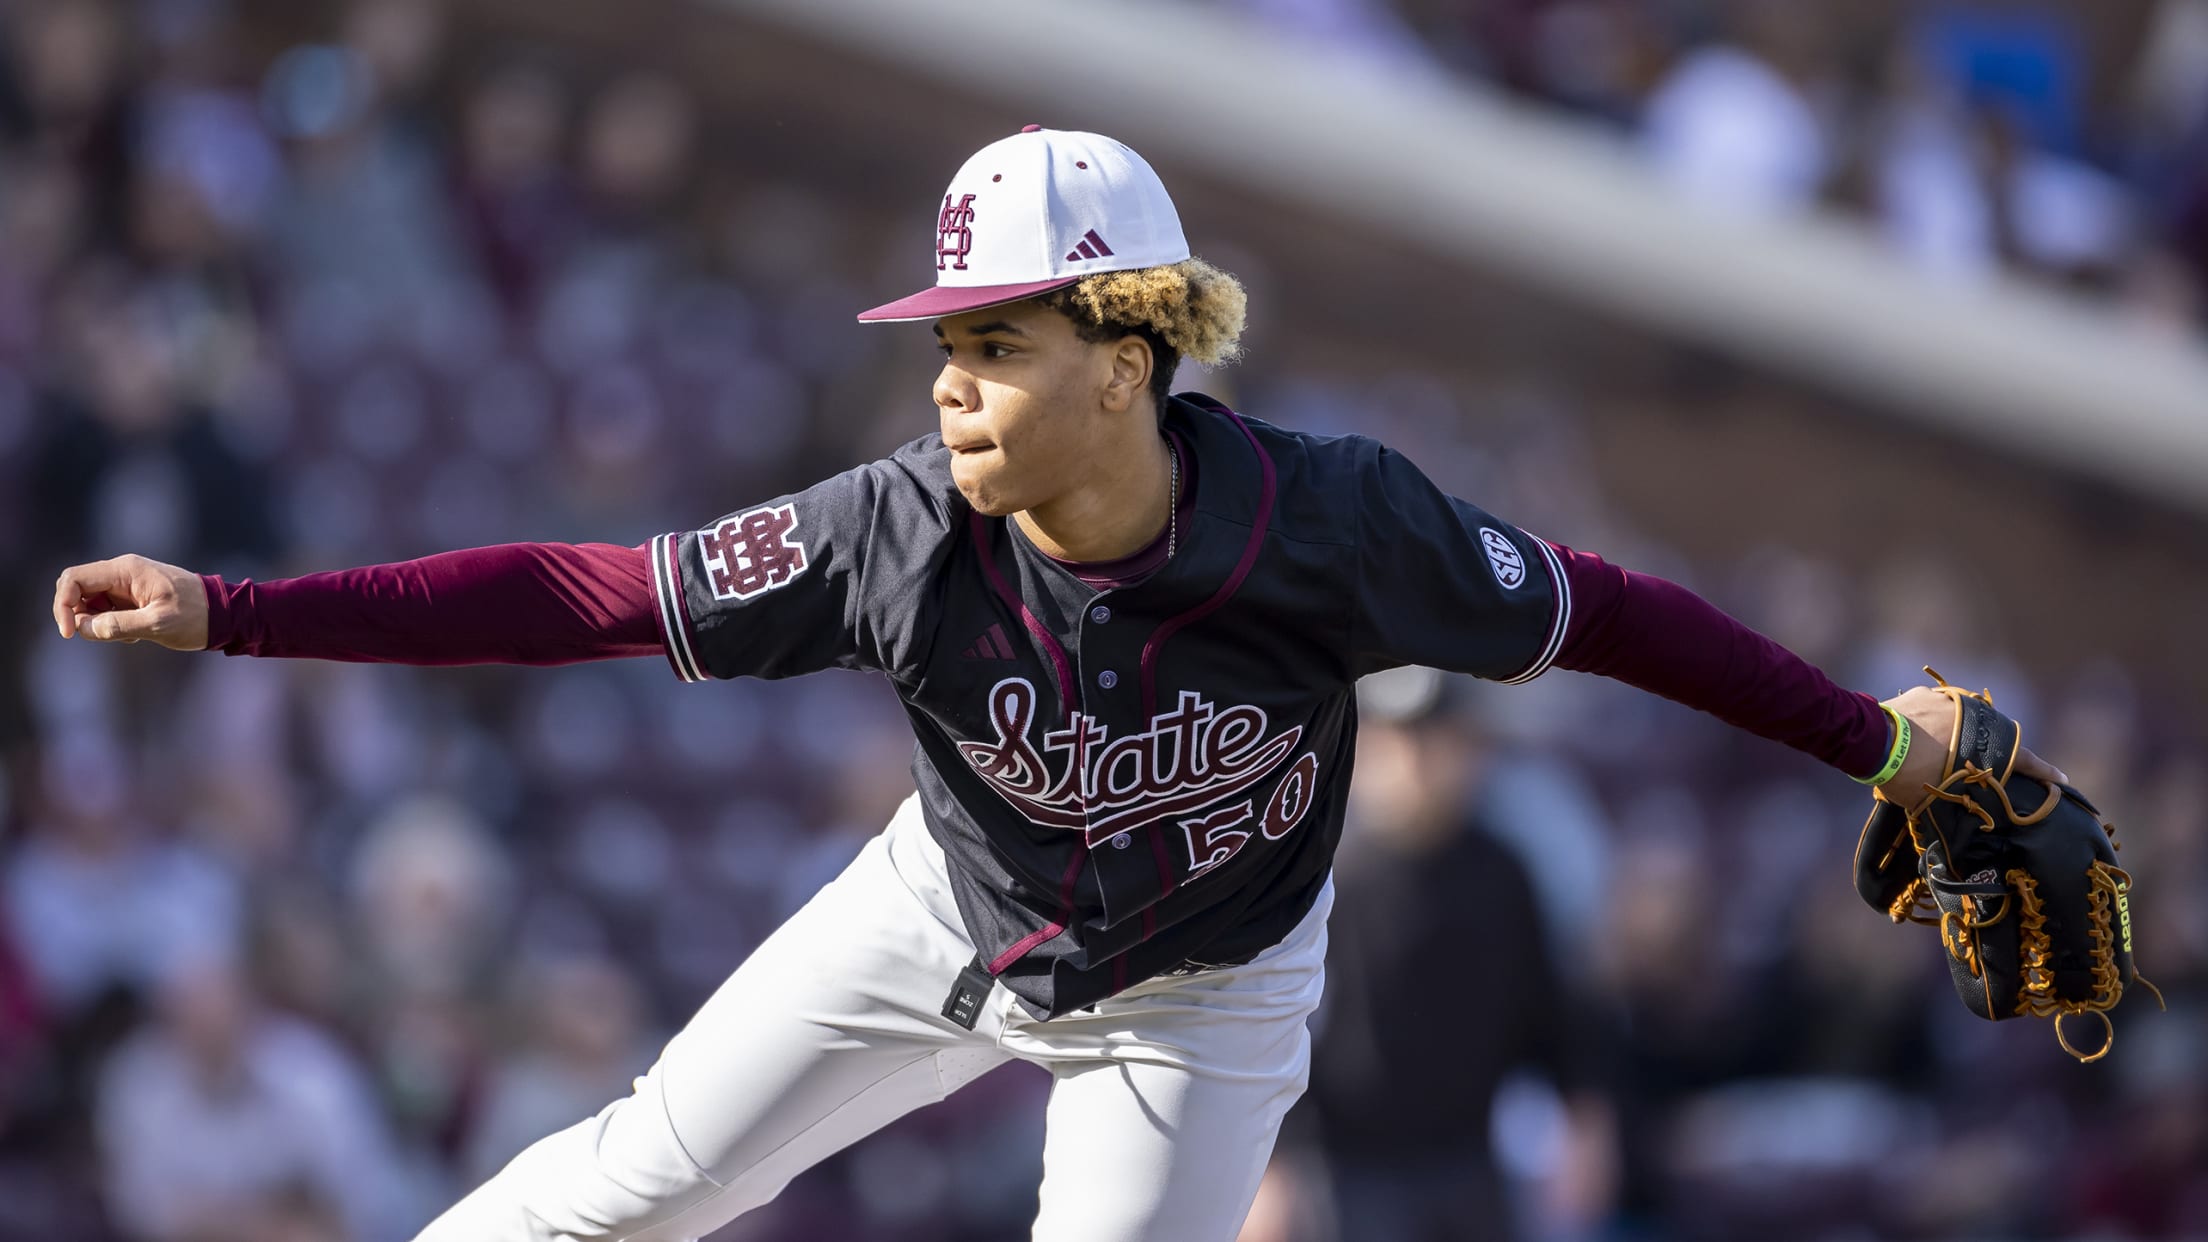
1503	558
751	553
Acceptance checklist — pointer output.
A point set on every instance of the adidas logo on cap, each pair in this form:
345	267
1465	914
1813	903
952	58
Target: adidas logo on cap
1091	247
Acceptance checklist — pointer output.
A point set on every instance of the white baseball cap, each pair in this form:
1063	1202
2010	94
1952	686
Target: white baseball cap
1039	211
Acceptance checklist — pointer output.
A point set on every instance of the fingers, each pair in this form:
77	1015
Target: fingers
2033	767
67	596
94	588
81	589
127	626
129	599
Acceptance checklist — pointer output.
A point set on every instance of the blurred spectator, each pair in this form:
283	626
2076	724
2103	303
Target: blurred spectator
1739	124
1973	131
401	44
430	896
1408	1064
1679	1013
1978	164
430	893
224	1121
97	901
521	211
636	148
69	99
362	230
129	453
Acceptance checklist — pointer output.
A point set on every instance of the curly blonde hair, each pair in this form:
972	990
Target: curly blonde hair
1188	309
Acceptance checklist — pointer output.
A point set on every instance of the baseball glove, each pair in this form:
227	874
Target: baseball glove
2019	876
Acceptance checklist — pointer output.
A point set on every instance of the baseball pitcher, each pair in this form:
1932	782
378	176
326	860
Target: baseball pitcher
1126	626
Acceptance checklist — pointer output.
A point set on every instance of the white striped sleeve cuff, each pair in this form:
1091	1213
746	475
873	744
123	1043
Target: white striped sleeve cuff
1561	621
674	619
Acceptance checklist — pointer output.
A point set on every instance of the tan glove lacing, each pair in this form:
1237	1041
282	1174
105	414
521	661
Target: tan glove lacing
2106	887
2036	998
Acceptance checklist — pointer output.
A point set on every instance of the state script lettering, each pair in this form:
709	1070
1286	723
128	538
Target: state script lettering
1190	759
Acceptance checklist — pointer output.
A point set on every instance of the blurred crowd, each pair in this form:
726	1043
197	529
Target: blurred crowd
296	952
2070	140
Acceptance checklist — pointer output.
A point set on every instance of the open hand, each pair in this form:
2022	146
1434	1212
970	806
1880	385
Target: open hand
1932	716
131	598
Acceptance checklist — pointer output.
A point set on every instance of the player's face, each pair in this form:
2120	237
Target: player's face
1029	409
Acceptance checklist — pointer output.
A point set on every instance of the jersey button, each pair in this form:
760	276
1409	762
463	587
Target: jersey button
1107	679
1100	614
1122	841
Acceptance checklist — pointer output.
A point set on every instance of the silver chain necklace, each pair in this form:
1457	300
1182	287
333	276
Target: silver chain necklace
1173	502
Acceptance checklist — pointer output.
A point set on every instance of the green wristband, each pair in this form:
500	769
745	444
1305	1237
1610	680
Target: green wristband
1895	756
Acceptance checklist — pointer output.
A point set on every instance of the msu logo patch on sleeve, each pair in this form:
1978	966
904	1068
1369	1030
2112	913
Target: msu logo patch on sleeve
752	552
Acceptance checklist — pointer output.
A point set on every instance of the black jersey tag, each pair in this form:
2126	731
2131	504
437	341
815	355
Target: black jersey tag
963	1005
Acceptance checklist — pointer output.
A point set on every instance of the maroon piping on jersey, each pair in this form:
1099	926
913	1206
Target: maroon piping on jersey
1173	625
979	527
980	530
1020	947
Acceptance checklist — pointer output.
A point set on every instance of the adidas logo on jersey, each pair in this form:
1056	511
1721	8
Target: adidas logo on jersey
992	645
1091	247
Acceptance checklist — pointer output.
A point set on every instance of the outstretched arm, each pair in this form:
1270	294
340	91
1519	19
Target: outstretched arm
1443	583
1663	638
522	603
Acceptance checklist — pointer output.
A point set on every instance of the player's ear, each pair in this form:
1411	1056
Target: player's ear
1130	375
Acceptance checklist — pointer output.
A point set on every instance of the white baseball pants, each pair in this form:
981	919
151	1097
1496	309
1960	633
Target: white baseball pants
1163	1111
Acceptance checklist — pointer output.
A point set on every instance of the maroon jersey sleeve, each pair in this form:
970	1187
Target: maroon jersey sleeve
516	603
1663	638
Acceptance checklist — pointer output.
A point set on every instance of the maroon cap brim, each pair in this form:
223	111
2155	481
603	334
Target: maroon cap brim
953	300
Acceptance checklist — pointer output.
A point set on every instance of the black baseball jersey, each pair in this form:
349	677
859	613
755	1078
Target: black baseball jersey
1143	778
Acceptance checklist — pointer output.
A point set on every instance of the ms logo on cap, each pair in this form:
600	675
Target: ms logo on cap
954	232
1054	196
